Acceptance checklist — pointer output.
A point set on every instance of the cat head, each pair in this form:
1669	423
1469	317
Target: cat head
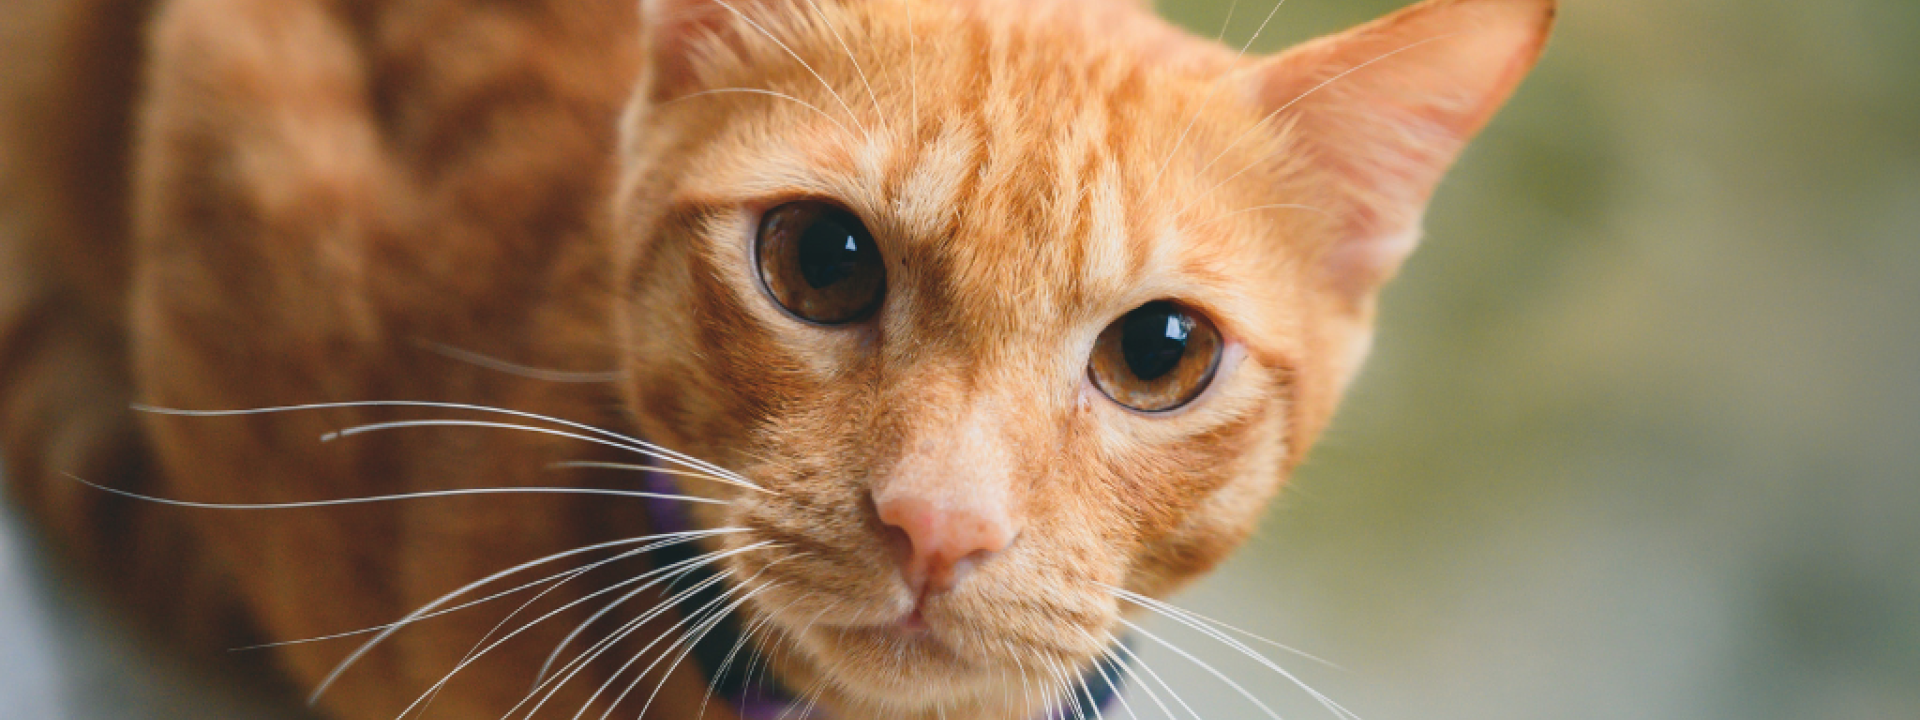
1007	304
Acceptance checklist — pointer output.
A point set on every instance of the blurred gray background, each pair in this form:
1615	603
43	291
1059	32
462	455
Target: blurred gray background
1641	436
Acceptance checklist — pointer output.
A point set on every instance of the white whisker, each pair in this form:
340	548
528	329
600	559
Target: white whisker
803	63
1113	683
476	651
678	570
760	662
342	667
1109	653
1224	24
856	64
1068	682
769	93
413	618
556	611
541	676
812	694
1026	687
1222	677
664	471
1142	662
1164	606
631	442
533	373
522	608
745	637
600	647
1091	701
392	498
810	698
1049	700
718	617
489	424
1179	615
1049	695
698	618
1214	89
530	601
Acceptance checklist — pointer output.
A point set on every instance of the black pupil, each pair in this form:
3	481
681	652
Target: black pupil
1154	339
831	250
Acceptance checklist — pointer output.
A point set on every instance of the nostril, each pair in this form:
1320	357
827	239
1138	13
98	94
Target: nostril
990	536
966	564
899	543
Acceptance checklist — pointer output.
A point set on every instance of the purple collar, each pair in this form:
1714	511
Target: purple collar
759	697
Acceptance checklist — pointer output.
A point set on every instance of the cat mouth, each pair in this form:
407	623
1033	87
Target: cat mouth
898	634
910	629
909	643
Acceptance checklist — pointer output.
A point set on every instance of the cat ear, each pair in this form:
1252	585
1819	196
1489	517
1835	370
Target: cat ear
1384	108
678	31
672	30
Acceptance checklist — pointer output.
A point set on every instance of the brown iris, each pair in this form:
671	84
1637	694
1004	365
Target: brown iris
1156	358
819	262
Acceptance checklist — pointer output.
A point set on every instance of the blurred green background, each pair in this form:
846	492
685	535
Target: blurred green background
1641	435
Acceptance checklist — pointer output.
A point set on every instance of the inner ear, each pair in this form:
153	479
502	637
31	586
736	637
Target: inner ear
1382	110
679	32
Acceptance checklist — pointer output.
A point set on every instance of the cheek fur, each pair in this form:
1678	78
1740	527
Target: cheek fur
1192	502
734	388
706	369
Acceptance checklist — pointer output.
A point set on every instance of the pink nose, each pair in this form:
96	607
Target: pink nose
944	538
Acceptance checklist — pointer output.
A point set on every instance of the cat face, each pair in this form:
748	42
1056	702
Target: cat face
1004	308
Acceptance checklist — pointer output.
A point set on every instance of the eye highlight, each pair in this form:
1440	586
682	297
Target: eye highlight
1156	358
818	261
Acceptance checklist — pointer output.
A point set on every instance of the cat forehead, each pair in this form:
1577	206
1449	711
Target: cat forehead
1013	229
1024	177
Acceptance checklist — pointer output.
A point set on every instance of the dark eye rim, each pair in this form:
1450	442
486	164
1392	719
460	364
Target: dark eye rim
760	275
1223	347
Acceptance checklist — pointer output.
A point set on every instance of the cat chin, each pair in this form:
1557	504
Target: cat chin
893	671
892	664
877	668
866	638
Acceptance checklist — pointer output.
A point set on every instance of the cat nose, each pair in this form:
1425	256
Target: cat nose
945	536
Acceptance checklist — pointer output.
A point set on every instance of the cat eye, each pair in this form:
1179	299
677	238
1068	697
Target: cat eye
819	262
1156	358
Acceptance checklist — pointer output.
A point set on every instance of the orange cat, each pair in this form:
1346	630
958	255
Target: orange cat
980	324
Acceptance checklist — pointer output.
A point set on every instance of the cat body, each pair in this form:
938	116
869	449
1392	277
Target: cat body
941	500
